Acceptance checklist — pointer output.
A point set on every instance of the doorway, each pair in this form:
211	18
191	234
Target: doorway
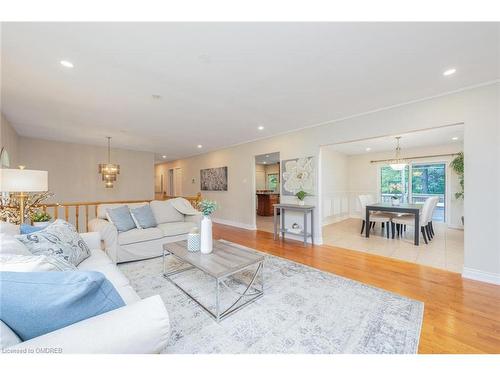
171	182
371	167
175	182
267	189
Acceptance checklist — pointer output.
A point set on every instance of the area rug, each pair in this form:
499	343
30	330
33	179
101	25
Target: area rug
303	310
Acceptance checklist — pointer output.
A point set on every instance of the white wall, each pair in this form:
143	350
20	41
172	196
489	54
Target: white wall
260	177
10	140
73	171
334	186
477	108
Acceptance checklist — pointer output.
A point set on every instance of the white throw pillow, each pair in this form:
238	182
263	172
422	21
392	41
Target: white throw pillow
33	263
7	336
165	212
184	206
10	245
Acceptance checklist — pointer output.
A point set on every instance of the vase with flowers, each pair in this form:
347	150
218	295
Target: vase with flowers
207	208
396	191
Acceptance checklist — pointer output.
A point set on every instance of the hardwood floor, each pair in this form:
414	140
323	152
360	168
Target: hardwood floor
460	315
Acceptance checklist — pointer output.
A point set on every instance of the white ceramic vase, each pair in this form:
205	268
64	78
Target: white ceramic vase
206	235
301	202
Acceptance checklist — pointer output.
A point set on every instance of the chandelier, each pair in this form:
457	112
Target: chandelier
398	163
109	171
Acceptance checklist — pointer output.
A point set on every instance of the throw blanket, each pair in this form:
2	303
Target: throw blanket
183	206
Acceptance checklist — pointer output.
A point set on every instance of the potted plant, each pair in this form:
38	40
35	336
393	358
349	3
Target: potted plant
395	190
301	195
457	165
207	208
40	219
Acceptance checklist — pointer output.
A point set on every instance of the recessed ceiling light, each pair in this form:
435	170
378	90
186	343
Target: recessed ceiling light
449	72
454	138
164	156
264	162
260	127
267	156
67	64
199	146
368	149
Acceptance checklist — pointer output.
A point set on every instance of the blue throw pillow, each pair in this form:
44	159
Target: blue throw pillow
121	218
143	216
27	229
35	303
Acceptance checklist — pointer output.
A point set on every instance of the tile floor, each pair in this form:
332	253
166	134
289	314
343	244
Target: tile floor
445	251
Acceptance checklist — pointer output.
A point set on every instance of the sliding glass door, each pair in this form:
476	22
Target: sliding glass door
429	180
414	184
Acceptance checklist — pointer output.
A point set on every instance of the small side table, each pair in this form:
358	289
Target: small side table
293	207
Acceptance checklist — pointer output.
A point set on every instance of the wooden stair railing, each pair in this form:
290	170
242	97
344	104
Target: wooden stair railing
76	212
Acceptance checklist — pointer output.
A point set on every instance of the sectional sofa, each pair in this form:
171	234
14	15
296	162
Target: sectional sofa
141	326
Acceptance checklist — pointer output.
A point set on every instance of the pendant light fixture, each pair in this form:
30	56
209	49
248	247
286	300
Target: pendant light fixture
398	164
108	170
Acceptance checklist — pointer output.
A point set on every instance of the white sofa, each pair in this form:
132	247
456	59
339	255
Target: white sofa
142	326
137	244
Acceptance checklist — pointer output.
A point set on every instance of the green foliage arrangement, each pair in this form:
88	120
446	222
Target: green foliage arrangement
40	217
457	165
301	195
207	207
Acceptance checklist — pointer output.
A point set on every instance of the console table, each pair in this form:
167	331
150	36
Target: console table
283	207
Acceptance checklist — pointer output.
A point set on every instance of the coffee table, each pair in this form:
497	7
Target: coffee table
224	261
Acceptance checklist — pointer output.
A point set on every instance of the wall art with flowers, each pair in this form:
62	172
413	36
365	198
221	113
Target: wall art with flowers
298	175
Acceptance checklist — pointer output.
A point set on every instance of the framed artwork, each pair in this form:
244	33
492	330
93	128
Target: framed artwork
213	179
4	158
298	174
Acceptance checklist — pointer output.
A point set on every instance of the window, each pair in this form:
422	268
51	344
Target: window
272	181
427	180
394	183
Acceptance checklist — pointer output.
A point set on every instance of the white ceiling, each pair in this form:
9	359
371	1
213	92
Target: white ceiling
271	158
432	137
219	81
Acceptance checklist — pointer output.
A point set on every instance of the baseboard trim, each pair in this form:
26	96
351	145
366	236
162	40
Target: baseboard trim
299	238
234	224
454	226
333	220
486	277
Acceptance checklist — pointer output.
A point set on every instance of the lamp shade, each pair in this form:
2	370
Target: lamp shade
23	180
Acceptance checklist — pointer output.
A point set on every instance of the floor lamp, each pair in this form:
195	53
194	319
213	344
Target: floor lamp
22	181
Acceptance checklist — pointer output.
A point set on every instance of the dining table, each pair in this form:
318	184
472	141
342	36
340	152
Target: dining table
402	208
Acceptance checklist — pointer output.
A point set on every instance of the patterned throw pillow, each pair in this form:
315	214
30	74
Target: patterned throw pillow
58	239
